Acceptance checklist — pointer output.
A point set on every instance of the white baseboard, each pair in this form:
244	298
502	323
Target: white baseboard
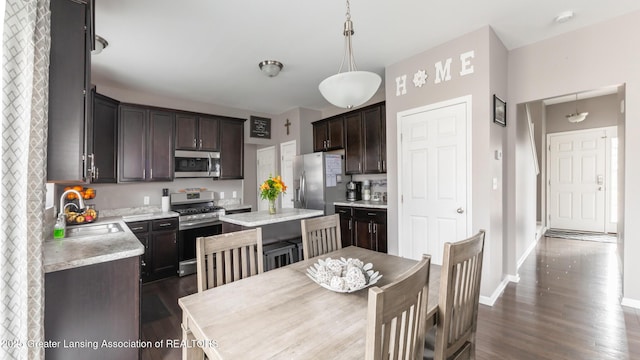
513	278
630	303
490	300
526	253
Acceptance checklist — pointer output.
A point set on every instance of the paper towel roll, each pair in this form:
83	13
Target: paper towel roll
165	204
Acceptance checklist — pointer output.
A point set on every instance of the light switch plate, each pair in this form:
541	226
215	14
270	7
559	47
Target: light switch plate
146	200
221	195
234	194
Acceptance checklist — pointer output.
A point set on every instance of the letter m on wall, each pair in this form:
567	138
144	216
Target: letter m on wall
443	73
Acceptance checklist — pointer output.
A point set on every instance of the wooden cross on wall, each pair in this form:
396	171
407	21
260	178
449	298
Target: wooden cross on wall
287	124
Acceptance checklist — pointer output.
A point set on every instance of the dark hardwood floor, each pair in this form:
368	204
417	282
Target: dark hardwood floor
163	321
566	306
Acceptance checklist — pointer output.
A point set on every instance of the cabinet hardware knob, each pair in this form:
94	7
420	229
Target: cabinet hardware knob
460	210
194	142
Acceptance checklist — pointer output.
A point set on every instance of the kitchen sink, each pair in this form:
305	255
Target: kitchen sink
98	229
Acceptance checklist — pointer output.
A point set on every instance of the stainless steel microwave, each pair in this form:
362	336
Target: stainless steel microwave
195	164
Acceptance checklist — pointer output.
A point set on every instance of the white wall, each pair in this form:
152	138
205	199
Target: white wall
595	57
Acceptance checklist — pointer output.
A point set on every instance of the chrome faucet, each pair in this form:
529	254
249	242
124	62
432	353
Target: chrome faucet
80	201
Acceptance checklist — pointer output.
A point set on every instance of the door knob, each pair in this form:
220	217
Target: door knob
460	210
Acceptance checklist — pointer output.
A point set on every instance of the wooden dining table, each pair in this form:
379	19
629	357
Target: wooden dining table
283	314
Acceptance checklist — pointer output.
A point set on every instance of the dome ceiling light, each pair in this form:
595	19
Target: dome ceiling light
353	87
270	68
101	44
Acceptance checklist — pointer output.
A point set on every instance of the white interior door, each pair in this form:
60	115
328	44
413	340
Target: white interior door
578	179
266	166
287	154
433	174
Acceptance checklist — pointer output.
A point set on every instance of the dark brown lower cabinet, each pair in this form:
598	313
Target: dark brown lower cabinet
346	225
363	227
159	238
92	309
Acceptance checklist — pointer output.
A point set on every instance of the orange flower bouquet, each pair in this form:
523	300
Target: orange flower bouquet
270	189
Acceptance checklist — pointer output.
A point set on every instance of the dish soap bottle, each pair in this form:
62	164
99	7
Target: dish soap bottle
59	227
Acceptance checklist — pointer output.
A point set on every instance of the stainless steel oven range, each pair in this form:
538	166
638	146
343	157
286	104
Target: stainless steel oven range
199	216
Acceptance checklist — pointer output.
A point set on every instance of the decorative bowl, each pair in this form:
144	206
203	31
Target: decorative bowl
353	274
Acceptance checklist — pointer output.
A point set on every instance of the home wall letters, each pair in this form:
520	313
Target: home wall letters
442	73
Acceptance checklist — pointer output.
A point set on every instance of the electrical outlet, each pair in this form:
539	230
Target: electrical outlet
146	200
235	194
221	195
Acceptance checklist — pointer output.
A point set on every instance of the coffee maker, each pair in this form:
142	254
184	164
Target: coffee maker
354	191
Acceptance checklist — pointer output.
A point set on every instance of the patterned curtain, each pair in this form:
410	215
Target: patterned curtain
25	89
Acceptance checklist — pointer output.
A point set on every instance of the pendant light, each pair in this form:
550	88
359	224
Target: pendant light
577	117
353	87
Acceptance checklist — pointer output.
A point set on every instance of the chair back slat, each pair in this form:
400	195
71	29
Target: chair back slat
396	322
320	235
459	297
225	258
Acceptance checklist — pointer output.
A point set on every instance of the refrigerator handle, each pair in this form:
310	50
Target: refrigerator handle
303	200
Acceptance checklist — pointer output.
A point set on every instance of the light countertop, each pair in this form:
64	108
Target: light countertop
236	207
77	251
363	204
260	218
73	252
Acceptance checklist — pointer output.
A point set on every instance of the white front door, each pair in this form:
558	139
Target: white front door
287	154
578	179
266	166
433	178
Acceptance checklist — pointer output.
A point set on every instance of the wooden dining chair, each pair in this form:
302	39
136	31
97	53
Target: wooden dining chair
320	235
396	318
458	301
224	258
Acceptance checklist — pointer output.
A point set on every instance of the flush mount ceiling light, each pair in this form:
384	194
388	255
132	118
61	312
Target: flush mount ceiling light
577	117
270	68
564	17
353	87
101	44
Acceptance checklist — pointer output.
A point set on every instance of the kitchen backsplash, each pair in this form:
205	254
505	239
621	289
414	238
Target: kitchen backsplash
378	181
132	195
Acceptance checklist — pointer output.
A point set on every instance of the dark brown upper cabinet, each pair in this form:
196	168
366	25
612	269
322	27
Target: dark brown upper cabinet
231	148
195	132
104	145
146	144
69	79
328	134
365	133
374	131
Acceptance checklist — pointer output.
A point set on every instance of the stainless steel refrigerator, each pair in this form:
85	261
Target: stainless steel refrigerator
318	181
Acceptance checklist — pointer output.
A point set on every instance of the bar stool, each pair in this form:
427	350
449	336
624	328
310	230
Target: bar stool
298	243
277	255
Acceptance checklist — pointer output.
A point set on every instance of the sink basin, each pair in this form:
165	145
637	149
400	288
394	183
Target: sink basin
98	229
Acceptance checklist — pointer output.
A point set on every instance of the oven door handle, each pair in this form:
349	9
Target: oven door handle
197	224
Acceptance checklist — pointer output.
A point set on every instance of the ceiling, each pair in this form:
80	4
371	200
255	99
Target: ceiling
208	51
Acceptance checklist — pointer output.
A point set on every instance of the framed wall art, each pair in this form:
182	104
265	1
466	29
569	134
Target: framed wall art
499	111
260	127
